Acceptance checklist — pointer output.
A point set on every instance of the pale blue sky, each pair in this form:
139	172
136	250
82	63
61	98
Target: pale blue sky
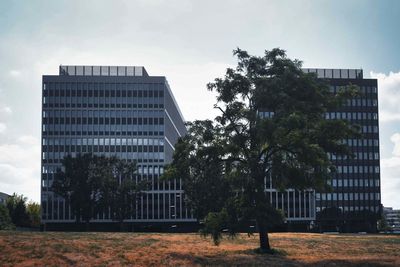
191	43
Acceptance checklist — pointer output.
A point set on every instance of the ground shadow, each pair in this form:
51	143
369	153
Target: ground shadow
237	258
251	258
352	263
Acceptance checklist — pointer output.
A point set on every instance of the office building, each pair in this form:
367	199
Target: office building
392	217
3	198
354	202
112	110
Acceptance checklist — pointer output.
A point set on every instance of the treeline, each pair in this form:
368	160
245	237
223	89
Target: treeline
93	184
17	212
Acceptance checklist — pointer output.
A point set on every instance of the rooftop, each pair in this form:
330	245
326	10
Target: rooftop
68	70
336	73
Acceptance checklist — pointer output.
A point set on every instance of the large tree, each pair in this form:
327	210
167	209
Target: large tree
271	124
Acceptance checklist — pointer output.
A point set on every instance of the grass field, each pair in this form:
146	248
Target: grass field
114	249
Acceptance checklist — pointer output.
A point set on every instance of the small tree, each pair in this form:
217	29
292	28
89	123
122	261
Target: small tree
5	219
33	211
16	205
120	190
271	125
76	185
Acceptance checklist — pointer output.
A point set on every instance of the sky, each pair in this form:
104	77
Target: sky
190	42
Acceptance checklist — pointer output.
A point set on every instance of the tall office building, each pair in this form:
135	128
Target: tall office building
354	202
112	110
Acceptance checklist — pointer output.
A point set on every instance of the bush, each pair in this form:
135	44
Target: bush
5	219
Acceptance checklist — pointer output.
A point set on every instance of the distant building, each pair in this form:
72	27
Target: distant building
392	217
3	198
112	110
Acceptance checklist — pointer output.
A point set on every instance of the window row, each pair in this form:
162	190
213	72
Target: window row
94	148
117	105
335	115
347	196
104	141
103	127
102	113
361	142
103	89
141	169
364	90
102	120
53	94
56	157
357	169
354	182
103	133
354	208
352	115
357	156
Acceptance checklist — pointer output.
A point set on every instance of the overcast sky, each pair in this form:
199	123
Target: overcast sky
191	43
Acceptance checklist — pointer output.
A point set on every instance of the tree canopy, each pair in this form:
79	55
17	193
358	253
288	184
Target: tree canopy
16	205
93	184
271	124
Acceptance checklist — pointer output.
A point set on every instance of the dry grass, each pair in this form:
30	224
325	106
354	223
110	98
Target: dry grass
115	249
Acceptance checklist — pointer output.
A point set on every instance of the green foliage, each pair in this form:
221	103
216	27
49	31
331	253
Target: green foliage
78	184
197	162
383	224
92	184
224	164
33	211
214	224
5	219
16	205
122	189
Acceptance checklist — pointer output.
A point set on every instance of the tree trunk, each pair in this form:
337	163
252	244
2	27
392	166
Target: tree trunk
264	240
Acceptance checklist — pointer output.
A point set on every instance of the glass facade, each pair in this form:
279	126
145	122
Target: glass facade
354	202
112	110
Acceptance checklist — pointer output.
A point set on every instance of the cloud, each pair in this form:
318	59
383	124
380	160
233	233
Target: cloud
396	140
3	127
390	182
5	110
389	96
15	73
20	167
390	174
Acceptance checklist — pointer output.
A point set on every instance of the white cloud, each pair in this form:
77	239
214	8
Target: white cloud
5	110
3	127
389	96
390	174
390	181
389	117
20	167
396	140
15	73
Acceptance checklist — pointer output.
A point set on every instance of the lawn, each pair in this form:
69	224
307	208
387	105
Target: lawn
143	249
